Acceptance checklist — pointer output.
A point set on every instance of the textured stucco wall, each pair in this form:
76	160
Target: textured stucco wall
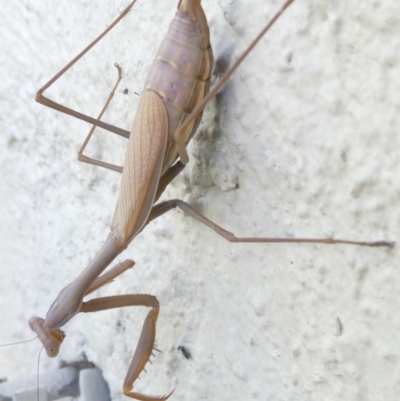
310	128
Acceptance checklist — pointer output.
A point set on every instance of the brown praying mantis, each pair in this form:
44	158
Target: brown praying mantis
159	169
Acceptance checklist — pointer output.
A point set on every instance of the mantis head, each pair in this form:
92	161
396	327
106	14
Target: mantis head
51	339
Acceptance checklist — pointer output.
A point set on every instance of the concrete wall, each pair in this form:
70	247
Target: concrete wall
309	130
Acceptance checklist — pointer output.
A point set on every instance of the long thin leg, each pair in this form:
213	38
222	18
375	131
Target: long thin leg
89	160
164	207
47	102
145	345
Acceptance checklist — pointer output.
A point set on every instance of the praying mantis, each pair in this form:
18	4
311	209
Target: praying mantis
223	246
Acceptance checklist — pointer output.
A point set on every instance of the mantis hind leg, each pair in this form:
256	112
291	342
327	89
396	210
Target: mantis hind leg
40	98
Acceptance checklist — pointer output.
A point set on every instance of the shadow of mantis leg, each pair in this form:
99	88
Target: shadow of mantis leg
145	346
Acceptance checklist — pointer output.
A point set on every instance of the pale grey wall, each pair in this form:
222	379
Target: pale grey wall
310	125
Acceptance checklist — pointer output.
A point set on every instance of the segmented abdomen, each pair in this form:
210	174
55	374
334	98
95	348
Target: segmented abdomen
180	73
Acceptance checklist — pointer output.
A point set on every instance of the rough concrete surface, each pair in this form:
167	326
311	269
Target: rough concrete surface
309	135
